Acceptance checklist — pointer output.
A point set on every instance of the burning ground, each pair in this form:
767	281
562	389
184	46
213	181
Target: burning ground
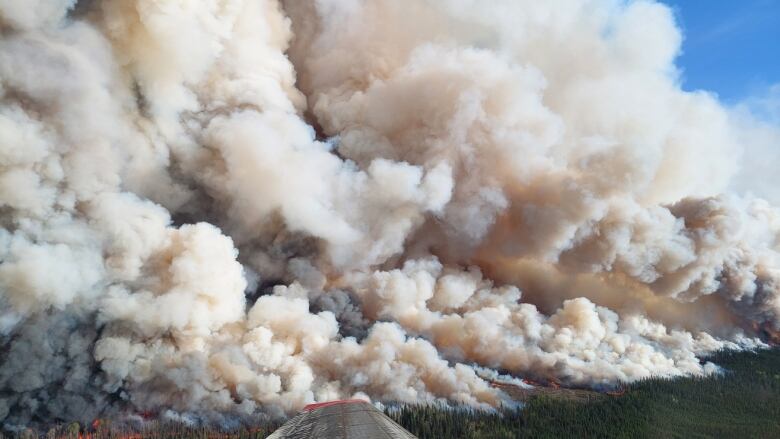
220	211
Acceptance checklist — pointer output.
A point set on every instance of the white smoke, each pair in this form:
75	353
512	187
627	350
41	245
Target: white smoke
238	207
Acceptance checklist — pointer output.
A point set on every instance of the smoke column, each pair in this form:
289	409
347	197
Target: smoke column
226	209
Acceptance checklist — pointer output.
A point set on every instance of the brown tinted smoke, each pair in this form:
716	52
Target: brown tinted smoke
228	209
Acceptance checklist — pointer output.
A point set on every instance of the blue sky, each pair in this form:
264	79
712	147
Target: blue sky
730	47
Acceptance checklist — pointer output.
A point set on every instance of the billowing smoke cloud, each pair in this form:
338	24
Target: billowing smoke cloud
232	208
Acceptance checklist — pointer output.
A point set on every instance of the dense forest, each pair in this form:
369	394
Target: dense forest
743	402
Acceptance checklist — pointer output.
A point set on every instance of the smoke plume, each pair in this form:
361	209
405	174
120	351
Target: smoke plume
228	209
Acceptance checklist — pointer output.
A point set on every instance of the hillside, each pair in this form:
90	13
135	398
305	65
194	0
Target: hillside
743	402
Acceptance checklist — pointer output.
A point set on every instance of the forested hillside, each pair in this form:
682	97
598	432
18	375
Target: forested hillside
743	402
